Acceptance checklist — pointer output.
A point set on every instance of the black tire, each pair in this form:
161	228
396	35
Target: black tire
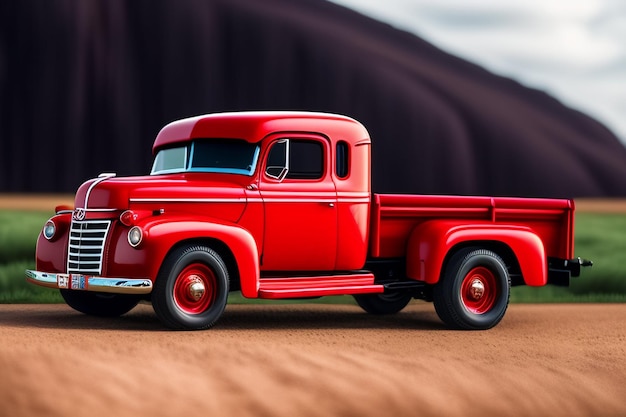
173	297
386	303
100	303
457	296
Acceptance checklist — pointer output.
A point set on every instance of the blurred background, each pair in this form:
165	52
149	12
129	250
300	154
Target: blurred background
573	49
520	98
488	98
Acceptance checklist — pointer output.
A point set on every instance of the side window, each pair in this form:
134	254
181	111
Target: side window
343	160
296	159
306	160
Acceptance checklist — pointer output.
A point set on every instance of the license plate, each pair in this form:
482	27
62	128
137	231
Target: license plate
63	281
73	281
78	282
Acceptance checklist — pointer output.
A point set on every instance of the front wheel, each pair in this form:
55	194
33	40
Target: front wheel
191	290
99	303
473	292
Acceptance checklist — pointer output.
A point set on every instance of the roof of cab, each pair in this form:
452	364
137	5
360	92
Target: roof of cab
254	126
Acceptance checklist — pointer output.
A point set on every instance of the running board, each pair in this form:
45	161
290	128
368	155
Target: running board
318	286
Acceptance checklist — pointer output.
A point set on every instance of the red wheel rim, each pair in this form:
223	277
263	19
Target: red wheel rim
195	288
479	290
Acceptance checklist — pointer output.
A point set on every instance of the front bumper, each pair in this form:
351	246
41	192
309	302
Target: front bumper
89	283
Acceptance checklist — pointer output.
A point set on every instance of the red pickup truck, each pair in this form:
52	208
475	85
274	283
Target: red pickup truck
278	205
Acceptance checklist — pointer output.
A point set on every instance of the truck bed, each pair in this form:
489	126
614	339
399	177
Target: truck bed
394	216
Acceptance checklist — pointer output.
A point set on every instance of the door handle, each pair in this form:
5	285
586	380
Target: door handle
331	204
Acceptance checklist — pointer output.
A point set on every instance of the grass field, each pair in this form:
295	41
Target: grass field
18	236
599	237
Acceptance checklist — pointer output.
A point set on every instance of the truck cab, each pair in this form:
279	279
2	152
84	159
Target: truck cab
304	179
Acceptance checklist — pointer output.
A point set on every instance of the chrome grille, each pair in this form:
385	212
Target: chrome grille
86	246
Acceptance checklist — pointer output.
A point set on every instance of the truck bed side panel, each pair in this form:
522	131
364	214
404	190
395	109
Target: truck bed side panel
395	216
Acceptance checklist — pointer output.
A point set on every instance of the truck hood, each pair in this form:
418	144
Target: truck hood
205	195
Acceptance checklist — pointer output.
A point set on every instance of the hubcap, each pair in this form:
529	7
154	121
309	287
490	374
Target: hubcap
477	289
196	287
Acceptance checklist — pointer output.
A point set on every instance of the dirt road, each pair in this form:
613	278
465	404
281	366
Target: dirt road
314	360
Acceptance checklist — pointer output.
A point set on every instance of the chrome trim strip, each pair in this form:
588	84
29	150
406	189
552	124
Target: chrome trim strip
343	198
188	200
102	210
92	283
309	200
297	194
353	200
101	177
300	200
353	194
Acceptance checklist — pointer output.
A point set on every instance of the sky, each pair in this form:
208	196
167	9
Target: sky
574	50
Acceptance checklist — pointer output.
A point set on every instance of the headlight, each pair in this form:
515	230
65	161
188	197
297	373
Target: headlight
134	236
49	230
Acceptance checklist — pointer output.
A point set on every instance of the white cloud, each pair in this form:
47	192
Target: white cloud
574	49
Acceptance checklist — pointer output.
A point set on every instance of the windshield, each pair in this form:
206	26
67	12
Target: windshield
230	156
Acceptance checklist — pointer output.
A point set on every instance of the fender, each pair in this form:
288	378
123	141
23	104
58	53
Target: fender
162	233
430	242
51	255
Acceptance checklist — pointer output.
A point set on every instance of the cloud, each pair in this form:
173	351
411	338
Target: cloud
574	50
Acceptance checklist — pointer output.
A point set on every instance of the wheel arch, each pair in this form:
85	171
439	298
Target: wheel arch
222	249
235	245
499	248
433	243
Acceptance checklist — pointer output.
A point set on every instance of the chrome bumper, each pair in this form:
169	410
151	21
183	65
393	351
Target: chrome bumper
89	283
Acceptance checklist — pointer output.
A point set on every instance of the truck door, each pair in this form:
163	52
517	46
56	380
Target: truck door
300	205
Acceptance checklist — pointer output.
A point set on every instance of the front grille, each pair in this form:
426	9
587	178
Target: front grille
86	246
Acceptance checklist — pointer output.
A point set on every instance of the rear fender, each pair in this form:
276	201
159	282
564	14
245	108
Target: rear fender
164	232
432	241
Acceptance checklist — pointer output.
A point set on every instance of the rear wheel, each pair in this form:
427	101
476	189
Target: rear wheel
473	292
100	303
386	303
191	290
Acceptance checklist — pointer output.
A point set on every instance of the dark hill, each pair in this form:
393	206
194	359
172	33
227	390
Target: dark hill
86	85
